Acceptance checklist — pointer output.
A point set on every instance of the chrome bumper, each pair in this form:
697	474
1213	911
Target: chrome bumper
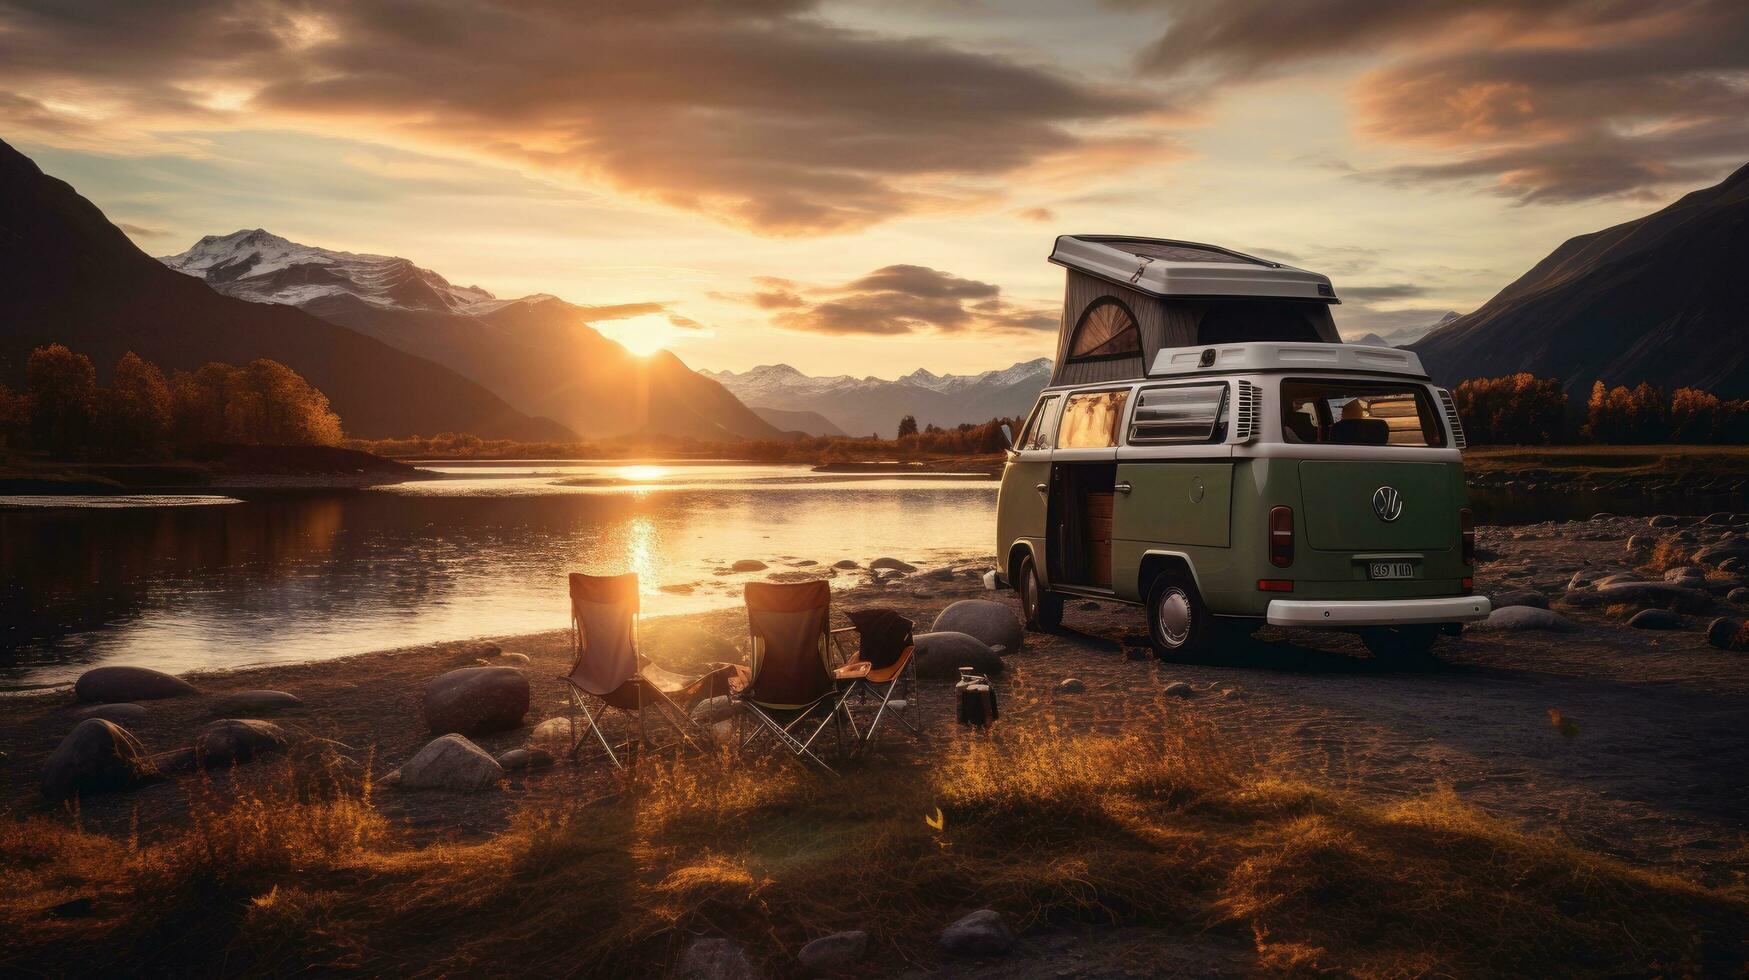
1378	612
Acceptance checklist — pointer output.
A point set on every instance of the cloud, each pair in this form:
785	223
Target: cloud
903	299
759	113
1036	214
1393	291
620	311
140	231
1539	101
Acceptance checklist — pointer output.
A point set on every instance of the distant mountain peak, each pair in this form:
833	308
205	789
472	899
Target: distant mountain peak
870	404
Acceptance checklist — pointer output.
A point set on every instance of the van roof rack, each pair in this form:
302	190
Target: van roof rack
1226	358
1167	267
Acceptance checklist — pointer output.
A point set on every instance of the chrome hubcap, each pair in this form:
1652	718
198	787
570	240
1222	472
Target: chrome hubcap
1174	617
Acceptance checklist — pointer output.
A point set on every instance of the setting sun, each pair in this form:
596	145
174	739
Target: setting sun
642	335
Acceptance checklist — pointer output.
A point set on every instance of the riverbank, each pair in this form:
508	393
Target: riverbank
1295	805
218	470
1610	469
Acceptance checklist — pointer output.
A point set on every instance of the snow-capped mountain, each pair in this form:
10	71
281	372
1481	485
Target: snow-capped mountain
861	406
536	352
262	267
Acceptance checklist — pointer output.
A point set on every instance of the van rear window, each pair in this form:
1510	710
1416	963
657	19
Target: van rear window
1358	413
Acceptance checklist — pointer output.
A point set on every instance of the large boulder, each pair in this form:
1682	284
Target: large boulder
983	933
941	655
451	763
232	740
97	756
103	685
994	623
1516	618
250	704
476	700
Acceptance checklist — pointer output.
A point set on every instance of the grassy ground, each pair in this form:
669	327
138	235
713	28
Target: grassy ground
1058	831
1601	462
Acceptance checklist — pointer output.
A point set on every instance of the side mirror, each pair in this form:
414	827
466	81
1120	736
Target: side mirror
1008	435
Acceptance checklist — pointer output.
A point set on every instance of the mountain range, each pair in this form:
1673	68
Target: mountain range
861	406
1663	298
67	275
536	352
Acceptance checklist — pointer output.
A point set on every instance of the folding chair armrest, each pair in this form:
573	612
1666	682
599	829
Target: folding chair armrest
854	670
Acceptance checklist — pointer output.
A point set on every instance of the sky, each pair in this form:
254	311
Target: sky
870	187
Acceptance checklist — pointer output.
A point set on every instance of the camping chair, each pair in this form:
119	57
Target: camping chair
883	663
609	670
789	681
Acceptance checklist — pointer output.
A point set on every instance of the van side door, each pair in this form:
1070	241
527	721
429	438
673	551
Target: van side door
1174	477
1020	503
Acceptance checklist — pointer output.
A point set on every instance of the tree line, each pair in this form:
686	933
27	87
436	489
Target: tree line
63	411
1521	409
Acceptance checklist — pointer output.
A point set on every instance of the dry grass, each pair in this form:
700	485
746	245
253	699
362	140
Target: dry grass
1054	829
1671	553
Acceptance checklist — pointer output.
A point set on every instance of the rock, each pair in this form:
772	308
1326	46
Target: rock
1637	543
983	933
712	710
1088	606
450	763
714	959
830	954
941	655
248	704
1733	565
1179	689
1518	597
232	740
554	733
473	700
1722	632
1662	520
1715	553
120	711
748	565
1070	685
1738	595
678	588
992	622
97	756
1684	574
104	685
525	759
845	563
1641	593
1717	520
1655	619
1602	515
942	574
514	659
1516	618
891	564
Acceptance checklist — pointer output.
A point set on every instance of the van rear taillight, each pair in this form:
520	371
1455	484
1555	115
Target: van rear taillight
1281	536
1467	532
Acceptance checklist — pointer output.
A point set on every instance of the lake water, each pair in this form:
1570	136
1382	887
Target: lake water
481	550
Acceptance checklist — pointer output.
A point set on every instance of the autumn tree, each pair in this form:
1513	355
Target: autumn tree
1519	408
134	414
63	398
198	402
14	418
271	403
908	426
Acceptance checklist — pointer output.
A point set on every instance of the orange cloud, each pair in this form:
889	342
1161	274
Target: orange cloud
904	299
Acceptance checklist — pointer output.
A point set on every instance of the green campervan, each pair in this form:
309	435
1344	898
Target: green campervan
1208	448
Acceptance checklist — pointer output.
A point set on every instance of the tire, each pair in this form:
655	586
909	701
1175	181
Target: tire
1040	607
1407	643
1179	625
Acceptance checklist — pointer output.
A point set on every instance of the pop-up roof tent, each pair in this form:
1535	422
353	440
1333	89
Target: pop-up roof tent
1126	298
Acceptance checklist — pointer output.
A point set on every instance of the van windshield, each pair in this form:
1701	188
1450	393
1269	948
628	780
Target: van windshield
1358	413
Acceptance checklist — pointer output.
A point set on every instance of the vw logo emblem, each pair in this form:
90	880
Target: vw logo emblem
1387	503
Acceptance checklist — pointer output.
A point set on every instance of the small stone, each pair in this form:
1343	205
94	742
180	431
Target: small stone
1518	618
1717	520
714	959
1662	520
712	710
1655	619
845	563
552	733
128	711
1179	689
1740	594
1088	606
1720	632
248	704
1602	515
1684	574
103	685
233	740
831	954
748	565
983	933
891	564
514	659
1732	565
942	574
678	588
1071	685
525	759
1519	597
1637	543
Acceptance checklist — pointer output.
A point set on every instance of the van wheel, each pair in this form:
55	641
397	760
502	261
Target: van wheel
1178	622
1400	642
1042	608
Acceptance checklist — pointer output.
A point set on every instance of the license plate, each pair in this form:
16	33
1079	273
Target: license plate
1392	569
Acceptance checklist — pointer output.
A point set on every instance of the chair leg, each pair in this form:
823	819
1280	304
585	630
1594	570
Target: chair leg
577	746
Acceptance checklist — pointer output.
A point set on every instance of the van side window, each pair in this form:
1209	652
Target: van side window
1091	418
1042	425
1180	414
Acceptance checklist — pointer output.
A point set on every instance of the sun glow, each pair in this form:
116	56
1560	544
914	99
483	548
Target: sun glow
643	335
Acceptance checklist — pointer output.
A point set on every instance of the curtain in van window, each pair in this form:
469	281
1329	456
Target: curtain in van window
1090	419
